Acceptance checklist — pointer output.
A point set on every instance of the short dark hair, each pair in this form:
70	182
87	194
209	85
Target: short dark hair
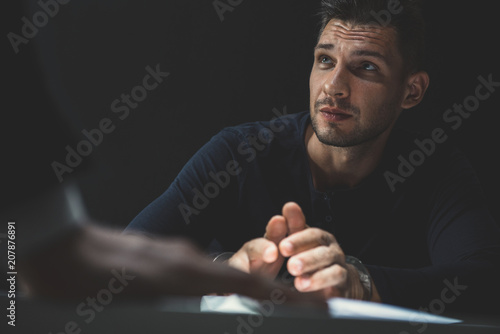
407	20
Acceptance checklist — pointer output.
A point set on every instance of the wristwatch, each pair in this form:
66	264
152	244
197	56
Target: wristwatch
364	276
223	257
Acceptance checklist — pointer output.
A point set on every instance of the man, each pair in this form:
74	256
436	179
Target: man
331	174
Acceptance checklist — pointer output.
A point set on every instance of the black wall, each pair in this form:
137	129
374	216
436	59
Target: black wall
224	73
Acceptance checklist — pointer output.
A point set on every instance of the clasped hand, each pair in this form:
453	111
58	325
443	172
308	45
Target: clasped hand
314	256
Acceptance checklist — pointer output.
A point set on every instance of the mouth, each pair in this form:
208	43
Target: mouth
335	115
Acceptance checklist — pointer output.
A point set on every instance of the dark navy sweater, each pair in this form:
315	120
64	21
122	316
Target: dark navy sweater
419	221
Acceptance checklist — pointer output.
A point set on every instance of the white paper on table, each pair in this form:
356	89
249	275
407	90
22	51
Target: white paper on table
358	309
339	308
229	304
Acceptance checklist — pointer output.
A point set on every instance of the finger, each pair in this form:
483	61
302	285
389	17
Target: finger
223	279
276	229
304	240
281	294
260	251
240	261
255	286
296	221
331	277
315	259
254	254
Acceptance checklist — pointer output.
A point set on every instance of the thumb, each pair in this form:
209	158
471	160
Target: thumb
276	229
261	250
295	219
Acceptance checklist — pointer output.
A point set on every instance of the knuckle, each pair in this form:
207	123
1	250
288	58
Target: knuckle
313	259
323	237
338	254
339	272
319	281
249	247
322	255
329	256
255	246
341	256
325	240
315	231
322	279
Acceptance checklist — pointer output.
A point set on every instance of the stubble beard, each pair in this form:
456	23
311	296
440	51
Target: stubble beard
332	134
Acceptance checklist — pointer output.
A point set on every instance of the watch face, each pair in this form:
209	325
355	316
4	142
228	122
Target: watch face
364	276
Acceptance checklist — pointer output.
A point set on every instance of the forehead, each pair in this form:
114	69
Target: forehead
381	39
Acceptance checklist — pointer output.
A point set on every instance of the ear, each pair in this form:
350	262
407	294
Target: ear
416	86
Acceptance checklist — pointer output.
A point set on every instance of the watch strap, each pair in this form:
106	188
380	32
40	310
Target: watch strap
364	275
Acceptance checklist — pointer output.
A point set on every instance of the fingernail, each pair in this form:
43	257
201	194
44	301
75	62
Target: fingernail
296	266
268	254
287	247
305	283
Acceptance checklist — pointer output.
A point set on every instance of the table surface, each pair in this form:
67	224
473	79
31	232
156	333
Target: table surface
182	315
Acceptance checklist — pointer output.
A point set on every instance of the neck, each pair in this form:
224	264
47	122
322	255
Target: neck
342	166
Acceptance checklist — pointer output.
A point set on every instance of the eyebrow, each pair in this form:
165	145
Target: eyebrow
324	46
368	53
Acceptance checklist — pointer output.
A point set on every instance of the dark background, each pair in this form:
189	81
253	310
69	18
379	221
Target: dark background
223	73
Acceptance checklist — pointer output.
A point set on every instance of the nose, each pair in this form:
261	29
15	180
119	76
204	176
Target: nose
336	83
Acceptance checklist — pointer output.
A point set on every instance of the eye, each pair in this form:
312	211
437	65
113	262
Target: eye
324	60
369	67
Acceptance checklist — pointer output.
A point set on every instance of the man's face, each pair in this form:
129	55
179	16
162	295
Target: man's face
356	84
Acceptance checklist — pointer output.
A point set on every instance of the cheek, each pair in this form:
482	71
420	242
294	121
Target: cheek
370	94
314	86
